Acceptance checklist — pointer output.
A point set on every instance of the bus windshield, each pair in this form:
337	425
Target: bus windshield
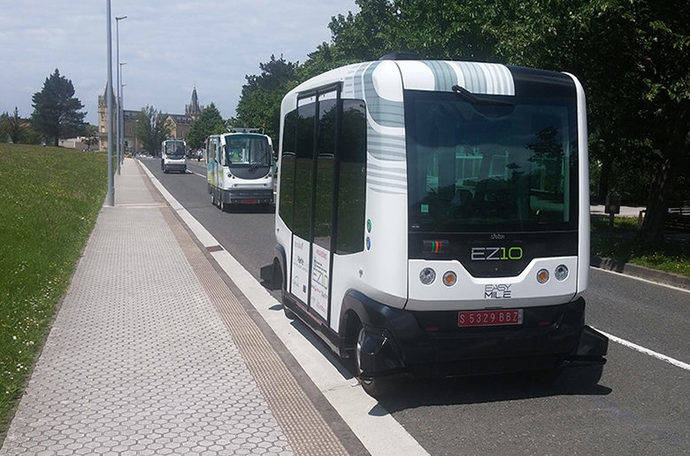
490	163
247	150
174	149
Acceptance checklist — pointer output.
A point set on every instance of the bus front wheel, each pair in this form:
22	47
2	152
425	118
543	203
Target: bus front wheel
372	386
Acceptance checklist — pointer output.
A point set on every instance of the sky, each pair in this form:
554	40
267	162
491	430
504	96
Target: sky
169	46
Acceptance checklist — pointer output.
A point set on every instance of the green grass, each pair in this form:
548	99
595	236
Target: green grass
621	244
49	200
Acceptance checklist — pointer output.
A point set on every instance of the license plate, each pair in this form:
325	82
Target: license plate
490	317
250	201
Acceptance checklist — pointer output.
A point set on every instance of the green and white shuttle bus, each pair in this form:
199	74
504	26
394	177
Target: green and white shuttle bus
239	169
433	216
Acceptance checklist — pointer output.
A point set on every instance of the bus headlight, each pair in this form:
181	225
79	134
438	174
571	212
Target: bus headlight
427	276
561	272
542	276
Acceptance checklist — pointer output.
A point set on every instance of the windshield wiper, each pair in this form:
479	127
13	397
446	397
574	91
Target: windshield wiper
472	98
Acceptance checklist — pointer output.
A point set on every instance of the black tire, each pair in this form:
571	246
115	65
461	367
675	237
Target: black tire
165	170
374	387
221	205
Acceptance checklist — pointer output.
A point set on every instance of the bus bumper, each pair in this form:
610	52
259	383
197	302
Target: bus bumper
182	168
248	196
430	343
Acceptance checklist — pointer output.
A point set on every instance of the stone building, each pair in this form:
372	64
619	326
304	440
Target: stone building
179	124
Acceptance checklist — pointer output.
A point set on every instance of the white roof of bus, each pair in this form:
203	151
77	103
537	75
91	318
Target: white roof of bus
389	77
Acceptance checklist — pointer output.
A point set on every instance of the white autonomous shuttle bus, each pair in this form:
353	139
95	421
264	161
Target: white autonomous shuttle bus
239	168
173	156
433	217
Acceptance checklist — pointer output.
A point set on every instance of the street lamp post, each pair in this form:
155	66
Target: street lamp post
119	101
110	196
121	113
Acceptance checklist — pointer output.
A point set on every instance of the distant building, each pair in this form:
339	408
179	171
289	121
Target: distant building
179	124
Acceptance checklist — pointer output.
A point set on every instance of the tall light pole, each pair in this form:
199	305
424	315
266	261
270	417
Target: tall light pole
119	134
110	197
121	113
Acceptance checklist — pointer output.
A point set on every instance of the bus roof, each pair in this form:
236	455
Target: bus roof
385	79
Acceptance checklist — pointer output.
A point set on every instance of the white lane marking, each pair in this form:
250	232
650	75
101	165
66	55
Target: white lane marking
646	351
642	280
378	431
192	172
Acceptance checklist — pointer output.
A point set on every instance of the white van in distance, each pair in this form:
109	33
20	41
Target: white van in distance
239	168
173	153
433	217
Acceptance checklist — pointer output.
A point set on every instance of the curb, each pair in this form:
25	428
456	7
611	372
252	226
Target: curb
641	272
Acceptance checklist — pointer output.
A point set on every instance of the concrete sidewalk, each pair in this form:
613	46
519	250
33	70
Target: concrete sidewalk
150	353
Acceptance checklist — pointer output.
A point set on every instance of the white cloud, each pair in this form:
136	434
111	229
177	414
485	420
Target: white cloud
169	46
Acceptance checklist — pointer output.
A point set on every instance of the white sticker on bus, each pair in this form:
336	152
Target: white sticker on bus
300	268
320	266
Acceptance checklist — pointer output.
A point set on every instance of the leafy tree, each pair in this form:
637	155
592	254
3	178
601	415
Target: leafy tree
152	129
4	126
261	96
209	122
10	126
17	130
632	57
56	111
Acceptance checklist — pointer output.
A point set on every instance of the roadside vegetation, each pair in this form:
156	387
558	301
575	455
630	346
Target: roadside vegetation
632	57
49	200
622	244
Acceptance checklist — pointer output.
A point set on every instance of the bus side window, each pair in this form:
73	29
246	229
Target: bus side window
304	170
287	170
352	178
325	173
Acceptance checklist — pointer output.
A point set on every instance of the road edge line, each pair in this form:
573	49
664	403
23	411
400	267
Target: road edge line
646	351
641	279
377	430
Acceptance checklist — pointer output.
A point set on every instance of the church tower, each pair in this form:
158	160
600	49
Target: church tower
193	109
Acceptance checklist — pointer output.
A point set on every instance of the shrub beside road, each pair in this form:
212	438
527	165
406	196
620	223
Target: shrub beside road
49	201
621	243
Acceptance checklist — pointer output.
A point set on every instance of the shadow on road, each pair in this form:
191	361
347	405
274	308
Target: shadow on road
409	392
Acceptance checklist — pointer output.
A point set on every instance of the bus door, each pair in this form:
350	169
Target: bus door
212	165
324	203
315	172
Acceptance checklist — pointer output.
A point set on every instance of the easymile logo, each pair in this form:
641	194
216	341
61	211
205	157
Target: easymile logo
497	291
496	253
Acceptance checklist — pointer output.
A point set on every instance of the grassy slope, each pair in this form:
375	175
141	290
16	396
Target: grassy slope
49	200
620	244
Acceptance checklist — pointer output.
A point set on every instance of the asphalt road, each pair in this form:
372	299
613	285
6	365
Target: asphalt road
641	405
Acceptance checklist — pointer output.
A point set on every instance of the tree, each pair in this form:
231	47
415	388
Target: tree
261	96
56	111
632	57
209	122
11	126
151	129
91	136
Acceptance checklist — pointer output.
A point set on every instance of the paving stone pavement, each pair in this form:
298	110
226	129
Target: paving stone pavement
138	360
